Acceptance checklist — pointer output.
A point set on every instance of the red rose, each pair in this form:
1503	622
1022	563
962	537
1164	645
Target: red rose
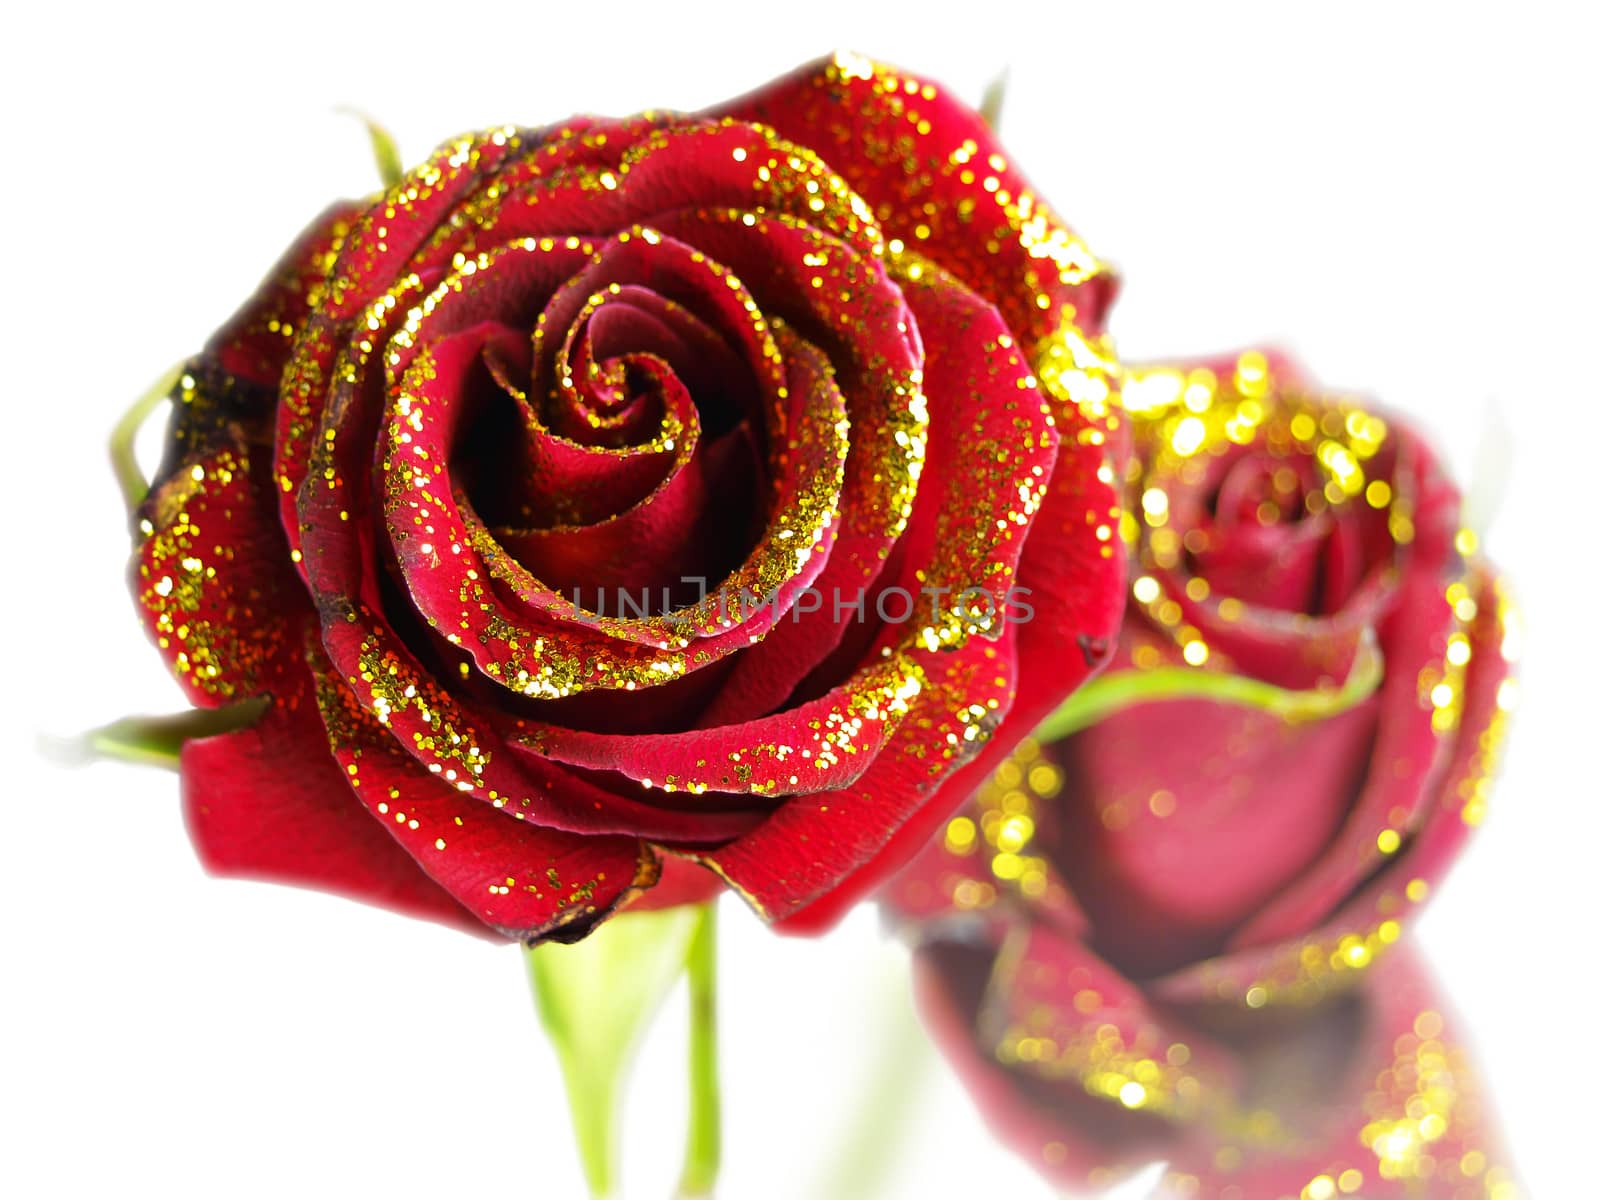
443	488
1131	923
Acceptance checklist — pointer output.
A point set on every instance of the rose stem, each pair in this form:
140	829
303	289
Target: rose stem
889	1100
703	1149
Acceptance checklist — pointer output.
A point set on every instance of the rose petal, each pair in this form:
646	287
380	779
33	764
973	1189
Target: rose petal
812	845
992	448
226	609
526	880
821	746
1365	922
253	345
269	802
1187	816
938	180
212	572
1412	743
1053	1046
1074	581
1379	1102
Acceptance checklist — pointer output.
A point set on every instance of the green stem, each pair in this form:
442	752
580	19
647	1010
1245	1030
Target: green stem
702	1156
135	487
596	997
1110	694
157	741
886	1106
592	1095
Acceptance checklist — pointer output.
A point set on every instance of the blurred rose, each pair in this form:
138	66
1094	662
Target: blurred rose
1140	939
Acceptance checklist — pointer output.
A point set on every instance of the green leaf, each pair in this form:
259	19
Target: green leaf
1111	693
994	100
385	154
156	741
596	998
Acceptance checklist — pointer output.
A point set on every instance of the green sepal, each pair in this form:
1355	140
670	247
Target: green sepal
385	153
595	998
124	464
993	103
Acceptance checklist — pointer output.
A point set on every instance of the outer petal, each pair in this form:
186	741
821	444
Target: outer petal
212	574
269	802
1074	578
801	855
225	606
254	344
1416	733
1069	1064
1379	1102
938	180
993	443
526	881
211	571
1370	919
1185	817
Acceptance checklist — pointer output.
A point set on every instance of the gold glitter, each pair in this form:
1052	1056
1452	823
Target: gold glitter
213	609
1136	1075
960	836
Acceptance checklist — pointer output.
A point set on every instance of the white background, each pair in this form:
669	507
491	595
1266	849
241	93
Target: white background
1406	198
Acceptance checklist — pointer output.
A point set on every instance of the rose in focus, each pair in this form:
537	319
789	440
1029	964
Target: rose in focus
781	349
1150	935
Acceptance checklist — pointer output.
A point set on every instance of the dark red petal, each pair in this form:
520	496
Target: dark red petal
820	746
1074	576
1413	743
811	845
212	573
1367	921
1049	1078
938	180
269	802
528	881
220	596
991	450
253	345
